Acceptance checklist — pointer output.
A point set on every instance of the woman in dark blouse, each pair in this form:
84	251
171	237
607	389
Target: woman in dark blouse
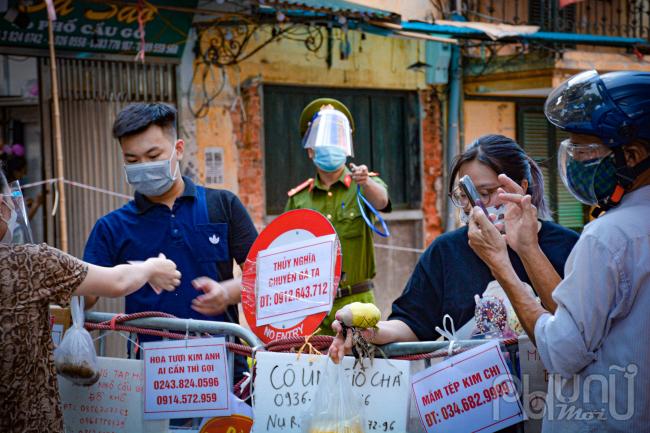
449	273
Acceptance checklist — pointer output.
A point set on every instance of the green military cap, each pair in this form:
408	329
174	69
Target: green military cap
314	106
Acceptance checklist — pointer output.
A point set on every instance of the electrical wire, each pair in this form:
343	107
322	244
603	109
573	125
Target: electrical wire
206	97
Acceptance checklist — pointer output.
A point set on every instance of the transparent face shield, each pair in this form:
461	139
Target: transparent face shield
14	221
588	171
329	128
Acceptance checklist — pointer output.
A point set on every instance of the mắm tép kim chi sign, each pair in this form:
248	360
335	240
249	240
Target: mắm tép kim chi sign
107	27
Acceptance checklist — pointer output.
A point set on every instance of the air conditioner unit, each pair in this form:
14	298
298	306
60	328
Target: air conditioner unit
438	56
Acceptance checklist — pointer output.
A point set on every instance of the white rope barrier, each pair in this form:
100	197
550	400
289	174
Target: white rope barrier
396	248
128	197
78	185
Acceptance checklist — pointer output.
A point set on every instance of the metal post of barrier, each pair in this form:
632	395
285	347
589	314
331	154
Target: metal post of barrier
102	342
513	351
131	344
231	362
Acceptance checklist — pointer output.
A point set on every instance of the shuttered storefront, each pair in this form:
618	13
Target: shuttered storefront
91	93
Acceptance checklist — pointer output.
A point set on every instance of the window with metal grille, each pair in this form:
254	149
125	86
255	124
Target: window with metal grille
386	139
540	140
548	15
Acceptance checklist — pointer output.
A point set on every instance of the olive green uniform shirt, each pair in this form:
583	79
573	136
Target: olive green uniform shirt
339	205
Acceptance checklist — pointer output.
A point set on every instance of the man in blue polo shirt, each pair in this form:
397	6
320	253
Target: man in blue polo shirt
202	230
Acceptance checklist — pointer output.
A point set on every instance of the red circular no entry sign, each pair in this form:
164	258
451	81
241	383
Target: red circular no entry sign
292	248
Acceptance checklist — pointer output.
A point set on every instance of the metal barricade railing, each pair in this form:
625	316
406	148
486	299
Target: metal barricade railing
170	327
393	350
420	350
225	328
163	327
181	325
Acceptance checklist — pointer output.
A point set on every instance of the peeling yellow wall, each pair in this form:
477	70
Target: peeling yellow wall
575	61
483	117
216	131
508	82
375	62
571	63
488	117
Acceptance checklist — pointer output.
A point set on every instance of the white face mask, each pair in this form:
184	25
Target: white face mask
11	226
500	213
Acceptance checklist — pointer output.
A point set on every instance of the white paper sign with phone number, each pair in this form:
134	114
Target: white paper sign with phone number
186	378
472	391
285	386
112	405
295	280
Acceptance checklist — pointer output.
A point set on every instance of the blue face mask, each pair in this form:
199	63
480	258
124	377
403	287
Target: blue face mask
592	181
329	158
152	178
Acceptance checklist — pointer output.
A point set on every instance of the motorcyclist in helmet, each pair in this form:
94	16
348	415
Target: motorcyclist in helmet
595	342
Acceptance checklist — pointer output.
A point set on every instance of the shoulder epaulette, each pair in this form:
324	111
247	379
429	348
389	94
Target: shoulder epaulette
295	190
347	180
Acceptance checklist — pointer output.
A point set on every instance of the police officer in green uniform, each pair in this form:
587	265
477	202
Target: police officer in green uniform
326	126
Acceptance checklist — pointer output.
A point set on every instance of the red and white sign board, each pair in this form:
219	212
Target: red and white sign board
291	276
472	391
295	279
186	379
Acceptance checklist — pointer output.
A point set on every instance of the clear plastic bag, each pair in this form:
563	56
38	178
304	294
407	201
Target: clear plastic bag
491	318
335	408
75	358
495	290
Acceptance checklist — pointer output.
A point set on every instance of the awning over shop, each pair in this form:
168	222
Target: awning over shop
493	30
342	7
470	31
